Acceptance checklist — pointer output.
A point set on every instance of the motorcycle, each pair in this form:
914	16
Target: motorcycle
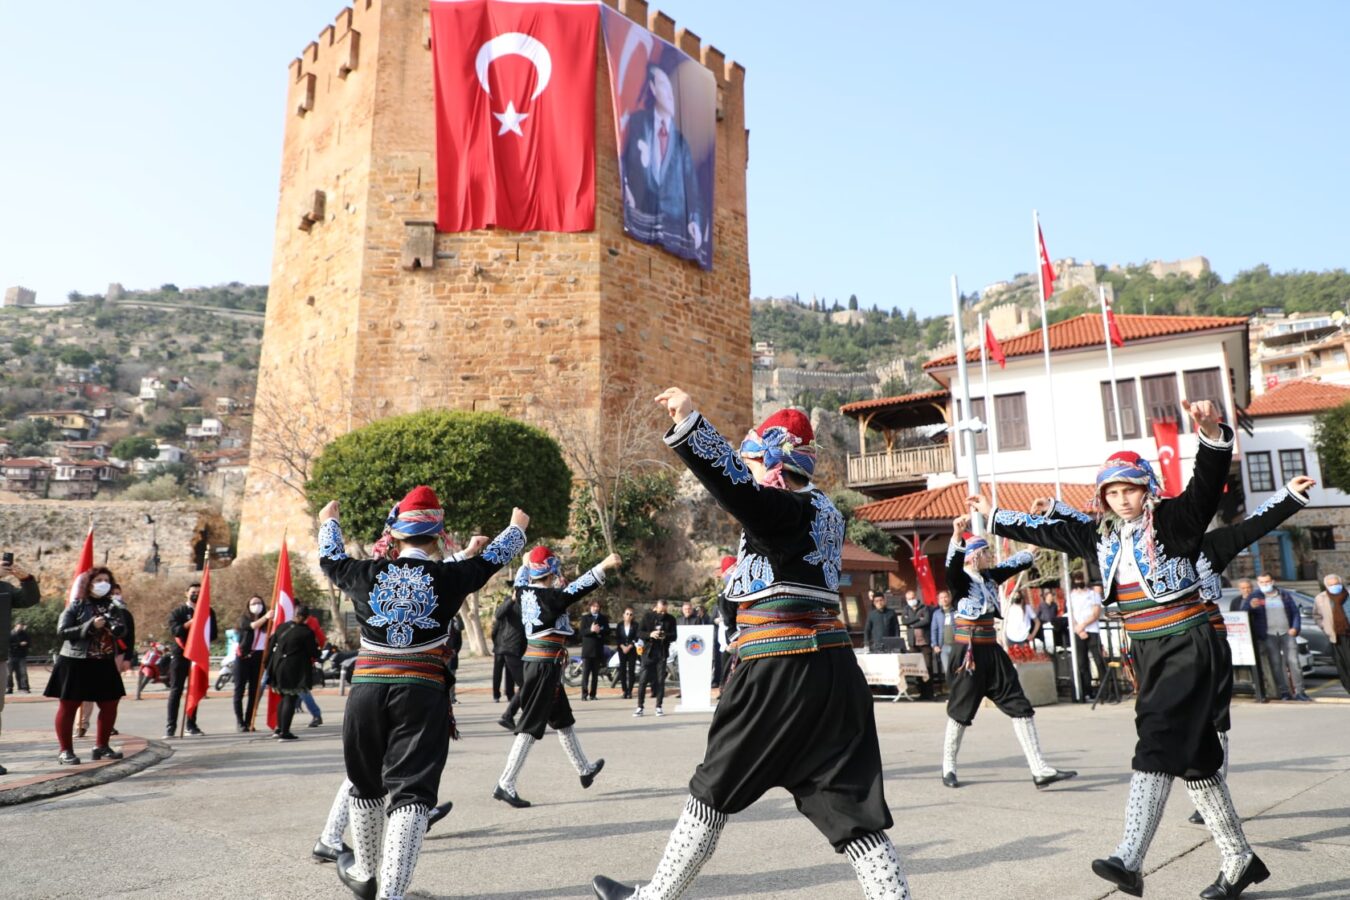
572	671
154	666
226	672
335	664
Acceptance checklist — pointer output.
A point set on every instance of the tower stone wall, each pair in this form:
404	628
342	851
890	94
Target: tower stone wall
371	314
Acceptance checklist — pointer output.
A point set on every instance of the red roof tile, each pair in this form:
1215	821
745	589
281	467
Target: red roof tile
950	501
858	406
1295	397
860	559
24	462
1086	331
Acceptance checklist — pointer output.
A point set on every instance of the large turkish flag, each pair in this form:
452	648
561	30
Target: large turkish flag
515	114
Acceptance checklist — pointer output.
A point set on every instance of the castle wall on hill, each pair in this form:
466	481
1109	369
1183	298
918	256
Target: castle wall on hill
372	314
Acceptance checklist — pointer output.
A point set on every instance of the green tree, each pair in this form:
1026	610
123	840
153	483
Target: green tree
858	530
135	447
170	430
21	346
76	356
481	465
853	301
641	499
29	437
1331	437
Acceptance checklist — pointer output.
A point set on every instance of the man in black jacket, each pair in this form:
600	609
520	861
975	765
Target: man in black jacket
248	659
882	622
290	667
12	598
626	636
180	620
508	645
657	631
594	636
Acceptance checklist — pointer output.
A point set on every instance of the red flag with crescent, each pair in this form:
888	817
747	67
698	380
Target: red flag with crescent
1117	339
1047	270
994	348
923	573
515	114
1169	456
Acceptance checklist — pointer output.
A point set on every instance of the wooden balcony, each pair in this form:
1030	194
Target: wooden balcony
898	467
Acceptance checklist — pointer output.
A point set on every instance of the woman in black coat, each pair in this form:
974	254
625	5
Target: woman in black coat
290	668
91	629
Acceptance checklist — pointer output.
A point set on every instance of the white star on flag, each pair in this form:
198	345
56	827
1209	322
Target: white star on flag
511	119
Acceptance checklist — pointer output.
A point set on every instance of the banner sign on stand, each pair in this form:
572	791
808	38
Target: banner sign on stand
694	646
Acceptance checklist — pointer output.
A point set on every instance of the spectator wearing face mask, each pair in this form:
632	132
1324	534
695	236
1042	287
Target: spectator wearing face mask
252	630
919	620
90	628
1275	616
124	659
1332	609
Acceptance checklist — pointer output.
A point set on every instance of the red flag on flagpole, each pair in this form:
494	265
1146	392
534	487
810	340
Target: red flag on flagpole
283	610
1169	456
923	573
992	345
1047	270
1117	340
515	115
198	646
83	567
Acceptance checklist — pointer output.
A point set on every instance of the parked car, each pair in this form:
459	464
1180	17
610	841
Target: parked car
1314	647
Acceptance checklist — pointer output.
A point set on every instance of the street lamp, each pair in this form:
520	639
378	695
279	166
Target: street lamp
152	564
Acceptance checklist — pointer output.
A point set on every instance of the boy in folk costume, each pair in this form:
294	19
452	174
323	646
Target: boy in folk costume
796	712
982	667
1219	547
1148	550
543	702
396	734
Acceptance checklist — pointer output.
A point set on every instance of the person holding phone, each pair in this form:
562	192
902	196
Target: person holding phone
12	598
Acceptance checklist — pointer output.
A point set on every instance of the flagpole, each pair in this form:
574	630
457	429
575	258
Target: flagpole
1111	366
1054	434
963	429
990	426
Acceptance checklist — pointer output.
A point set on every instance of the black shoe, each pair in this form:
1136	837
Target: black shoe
81	731
194	730
169	733
1255	873
949	780
107	753
1114	871
241	728
363	889
508	724
496	699
586	780
4	771
1060	775
512	799
113	731
287	736
584	698
609	889
324	853
68	759
1196	818
439	812
315	722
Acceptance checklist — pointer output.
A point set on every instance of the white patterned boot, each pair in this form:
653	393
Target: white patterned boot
691	844
515	761
402	847
1042	773
1240	866
330	841
1143	812
876	862
357	869
951	746
572	747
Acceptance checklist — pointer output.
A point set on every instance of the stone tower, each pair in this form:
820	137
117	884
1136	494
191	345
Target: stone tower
371	313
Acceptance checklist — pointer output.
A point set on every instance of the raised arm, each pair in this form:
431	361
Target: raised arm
1018	562
593	578
1073	536
719	467
1192	511
340	568
469	575
1221	545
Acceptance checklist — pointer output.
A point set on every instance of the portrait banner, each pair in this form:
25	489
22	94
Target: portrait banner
665	118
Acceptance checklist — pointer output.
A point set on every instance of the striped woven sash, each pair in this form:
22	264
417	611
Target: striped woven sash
426	668
546	648
1145	620
787	626
1215	617
976	631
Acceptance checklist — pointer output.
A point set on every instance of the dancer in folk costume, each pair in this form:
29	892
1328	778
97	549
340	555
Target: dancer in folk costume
543	611
1148	549
982	667
396	732
1219	548
796	712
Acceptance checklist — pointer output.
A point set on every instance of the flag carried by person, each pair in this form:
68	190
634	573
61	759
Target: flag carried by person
83	567
515	115
283	610
1169	456
994	348
198	647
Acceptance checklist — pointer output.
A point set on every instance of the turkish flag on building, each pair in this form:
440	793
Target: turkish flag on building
83	567
198	646
994	348
515	114
1117	340
923	573
283	610
1169	456
1047	270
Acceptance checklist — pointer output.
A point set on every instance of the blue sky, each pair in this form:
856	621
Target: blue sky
892	143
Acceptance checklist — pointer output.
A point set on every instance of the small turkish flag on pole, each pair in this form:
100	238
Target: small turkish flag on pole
1112	328
1047	270
923	573
83	567
994	347
1169	456
198	646
515	114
